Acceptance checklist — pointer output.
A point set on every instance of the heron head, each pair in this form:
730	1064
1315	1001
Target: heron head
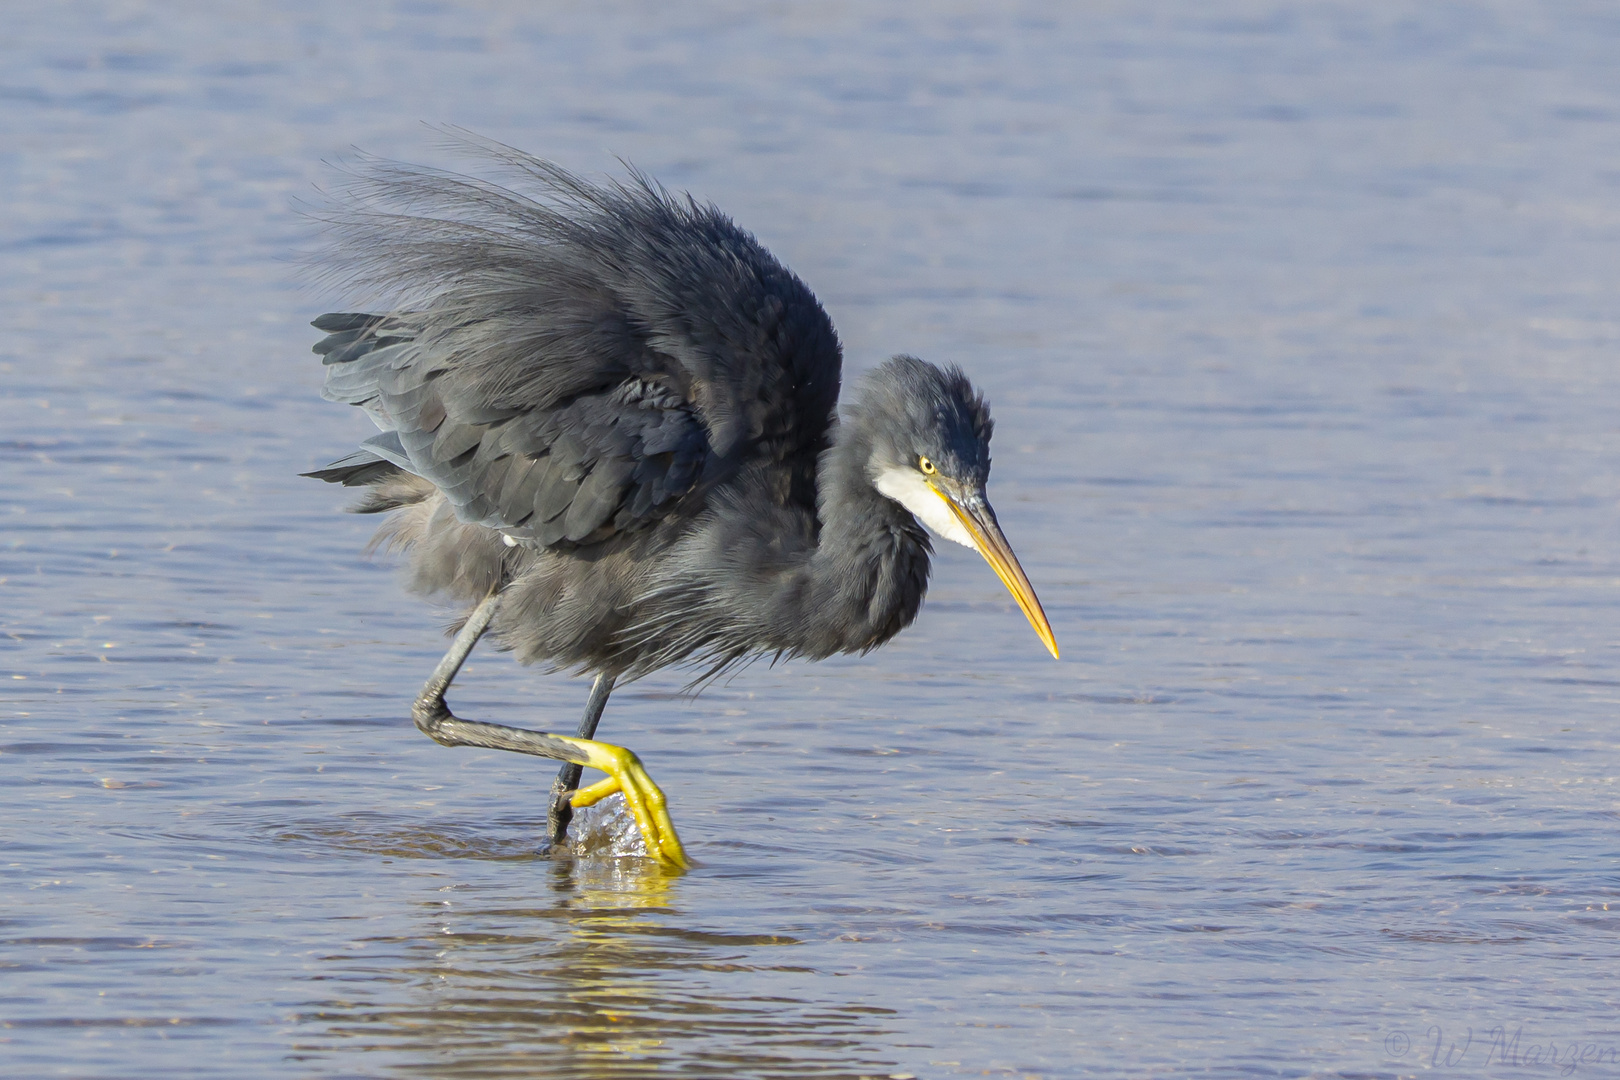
929	437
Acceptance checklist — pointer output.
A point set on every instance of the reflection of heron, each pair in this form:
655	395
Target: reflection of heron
592	971
607	423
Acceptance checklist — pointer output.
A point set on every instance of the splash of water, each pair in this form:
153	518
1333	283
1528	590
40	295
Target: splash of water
606	830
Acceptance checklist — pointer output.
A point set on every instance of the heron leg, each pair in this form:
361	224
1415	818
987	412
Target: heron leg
562	789
435	720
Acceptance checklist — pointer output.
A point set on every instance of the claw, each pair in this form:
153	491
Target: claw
628	777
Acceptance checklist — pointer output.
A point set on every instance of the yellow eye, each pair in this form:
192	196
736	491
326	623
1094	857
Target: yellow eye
926	466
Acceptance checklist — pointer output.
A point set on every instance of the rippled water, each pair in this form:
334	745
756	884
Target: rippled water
1299	323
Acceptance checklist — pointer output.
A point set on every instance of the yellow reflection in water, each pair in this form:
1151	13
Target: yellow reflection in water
581	968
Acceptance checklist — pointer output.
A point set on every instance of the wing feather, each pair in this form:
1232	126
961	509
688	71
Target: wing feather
578	361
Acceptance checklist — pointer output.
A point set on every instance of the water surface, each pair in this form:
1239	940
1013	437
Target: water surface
1299	326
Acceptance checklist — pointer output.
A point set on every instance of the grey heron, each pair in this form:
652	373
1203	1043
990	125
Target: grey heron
608	430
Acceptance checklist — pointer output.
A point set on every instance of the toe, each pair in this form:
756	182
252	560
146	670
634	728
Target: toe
595	793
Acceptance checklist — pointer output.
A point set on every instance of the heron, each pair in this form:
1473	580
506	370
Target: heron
609	433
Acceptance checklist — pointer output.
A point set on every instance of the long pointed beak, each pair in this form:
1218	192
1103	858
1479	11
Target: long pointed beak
980	522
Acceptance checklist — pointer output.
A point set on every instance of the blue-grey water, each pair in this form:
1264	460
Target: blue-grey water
1300	323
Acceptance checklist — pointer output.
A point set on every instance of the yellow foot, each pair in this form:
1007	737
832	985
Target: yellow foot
627	776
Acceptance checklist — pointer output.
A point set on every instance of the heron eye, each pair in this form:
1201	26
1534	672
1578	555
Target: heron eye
926	466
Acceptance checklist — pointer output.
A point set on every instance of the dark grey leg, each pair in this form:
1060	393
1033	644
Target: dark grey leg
430	710
562	811
435	720
626	774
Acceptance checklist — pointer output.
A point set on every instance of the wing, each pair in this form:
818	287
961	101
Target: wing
598	463
576	364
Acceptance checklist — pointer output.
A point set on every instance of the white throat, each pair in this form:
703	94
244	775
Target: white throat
910	490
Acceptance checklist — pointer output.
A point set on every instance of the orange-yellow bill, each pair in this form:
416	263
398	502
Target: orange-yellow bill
980	522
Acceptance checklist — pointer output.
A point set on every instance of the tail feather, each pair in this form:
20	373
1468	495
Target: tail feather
358	469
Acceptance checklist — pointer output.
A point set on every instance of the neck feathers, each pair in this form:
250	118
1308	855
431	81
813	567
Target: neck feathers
871	565
764	579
